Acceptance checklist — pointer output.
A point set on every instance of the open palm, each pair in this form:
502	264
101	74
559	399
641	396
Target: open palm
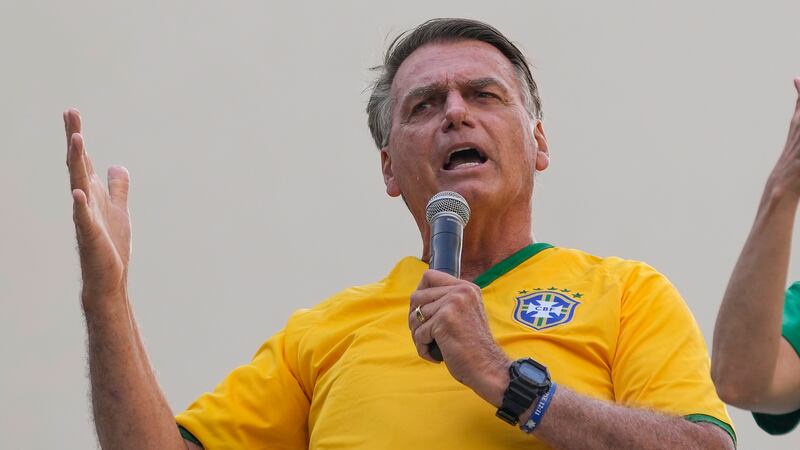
785	175
102	221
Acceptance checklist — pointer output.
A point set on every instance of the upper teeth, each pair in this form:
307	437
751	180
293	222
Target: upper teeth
458	150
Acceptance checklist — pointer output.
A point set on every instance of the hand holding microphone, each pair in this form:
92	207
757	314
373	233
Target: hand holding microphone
446	317
447	213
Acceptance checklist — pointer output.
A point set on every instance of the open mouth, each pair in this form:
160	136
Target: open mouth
463	158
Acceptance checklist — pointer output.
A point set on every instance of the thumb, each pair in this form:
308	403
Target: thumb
118	185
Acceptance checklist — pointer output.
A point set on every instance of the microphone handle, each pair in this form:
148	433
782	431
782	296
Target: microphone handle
446	237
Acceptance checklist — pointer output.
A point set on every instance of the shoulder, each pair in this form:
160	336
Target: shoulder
316	337
356	303
624	271
335	306
634	283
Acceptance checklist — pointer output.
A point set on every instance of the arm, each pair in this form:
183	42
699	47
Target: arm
129	409
749	320
456	320
607	426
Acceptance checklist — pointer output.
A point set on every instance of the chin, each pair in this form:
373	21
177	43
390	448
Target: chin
474	191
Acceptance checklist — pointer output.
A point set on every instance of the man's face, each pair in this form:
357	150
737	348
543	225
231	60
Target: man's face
459	123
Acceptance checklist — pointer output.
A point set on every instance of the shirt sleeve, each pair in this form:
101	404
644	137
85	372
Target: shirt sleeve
784	423
259	405
661	361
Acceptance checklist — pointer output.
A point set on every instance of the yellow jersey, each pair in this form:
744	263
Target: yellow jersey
345	374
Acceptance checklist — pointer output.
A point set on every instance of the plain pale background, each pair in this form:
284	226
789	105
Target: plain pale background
256	188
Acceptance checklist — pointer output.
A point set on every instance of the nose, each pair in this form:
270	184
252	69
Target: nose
456	113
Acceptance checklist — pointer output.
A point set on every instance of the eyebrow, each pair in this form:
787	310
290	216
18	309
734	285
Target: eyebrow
426	91
439	88
486	82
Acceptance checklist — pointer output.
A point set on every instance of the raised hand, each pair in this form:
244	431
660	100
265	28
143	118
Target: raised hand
451	313
785	176
101	217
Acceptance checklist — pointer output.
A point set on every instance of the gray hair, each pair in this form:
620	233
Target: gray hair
379	108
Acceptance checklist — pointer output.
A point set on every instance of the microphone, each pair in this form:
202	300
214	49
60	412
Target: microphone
447	213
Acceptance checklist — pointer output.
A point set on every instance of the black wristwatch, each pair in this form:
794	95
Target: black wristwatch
529	380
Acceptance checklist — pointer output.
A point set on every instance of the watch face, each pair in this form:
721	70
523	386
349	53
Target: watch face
533	374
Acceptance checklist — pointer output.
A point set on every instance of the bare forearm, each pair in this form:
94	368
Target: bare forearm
574	421
129	409
749	320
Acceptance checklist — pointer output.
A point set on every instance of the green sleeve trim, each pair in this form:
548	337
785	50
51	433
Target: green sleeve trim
508	264
188	436
791	341
791	317
696	418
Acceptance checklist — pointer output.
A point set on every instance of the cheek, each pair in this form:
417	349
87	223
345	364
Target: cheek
519	146
408	167
527	141
412	151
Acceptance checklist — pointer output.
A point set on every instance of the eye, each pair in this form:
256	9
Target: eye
486	94
421	106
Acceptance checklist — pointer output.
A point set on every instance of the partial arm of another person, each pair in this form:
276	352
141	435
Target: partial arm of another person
457	321
753	366
130	411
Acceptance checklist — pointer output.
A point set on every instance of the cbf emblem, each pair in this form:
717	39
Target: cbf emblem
543	309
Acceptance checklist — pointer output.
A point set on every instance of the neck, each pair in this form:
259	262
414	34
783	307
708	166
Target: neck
488	240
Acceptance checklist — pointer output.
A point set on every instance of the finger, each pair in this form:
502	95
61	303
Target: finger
72	125
72	122
81	214
422	337
434	298
118	185
433	278
428	295
428	311
78	176
87	161
796	116
797	88
65	117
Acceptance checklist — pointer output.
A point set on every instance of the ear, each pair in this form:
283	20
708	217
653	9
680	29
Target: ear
388	174
542	152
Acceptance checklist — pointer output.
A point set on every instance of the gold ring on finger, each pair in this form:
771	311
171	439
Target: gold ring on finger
419	315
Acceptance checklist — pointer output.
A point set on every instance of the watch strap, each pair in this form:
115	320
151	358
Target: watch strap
519	396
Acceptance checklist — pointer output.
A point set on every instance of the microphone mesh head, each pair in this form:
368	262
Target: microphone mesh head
447	201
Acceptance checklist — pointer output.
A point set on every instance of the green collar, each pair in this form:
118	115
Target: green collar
508	264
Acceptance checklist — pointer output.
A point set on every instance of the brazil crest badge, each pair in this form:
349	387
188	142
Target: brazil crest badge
541	309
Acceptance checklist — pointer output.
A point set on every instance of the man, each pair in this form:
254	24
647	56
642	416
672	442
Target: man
754	366
582	352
